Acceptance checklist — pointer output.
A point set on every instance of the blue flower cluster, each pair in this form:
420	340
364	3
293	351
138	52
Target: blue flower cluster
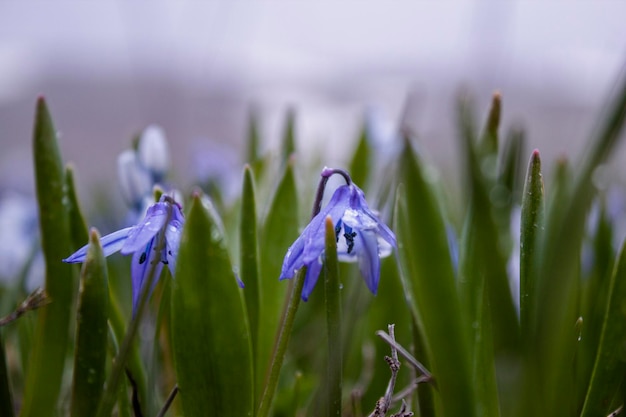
154	241
360	234
361	237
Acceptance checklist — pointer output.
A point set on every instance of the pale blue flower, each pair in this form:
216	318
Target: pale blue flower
360	235
142	241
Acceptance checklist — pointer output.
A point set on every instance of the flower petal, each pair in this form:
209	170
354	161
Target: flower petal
293	259
140	268
111	243
310	279
314	234
369	262
173	232
142	233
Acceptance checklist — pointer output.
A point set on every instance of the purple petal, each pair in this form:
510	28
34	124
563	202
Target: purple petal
141	234
111	243
369	262
173	231
310	279
140	269
293	259
359	203
314	233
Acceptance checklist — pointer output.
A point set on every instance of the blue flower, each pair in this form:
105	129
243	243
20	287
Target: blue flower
361	237
142	240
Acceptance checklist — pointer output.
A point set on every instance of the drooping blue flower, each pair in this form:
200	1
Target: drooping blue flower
142	240
360	235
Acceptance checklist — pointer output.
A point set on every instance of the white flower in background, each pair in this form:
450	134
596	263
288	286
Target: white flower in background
135	182
141	169
153	152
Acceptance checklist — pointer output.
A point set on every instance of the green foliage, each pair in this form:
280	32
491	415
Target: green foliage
211	339
544	336
47	359
91	331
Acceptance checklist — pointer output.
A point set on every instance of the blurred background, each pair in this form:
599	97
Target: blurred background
109	69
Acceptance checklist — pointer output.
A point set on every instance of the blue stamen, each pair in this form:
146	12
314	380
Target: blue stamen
349	235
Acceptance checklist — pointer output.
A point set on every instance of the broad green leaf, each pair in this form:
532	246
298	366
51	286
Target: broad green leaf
279	231
210	335
6	398
609	368
530	229
428	276
91	331
333	323
43	380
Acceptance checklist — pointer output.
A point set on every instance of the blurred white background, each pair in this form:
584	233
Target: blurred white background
108	69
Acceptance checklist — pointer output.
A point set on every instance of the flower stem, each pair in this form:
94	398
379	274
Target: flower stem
284	333
119	364
281	344
333	322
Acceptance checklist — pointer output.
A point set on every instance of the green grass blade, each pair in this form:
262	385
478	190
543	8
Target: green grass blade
531	226
596	285
361	163
333	322
510	175
253	142
490	140
91	332
249	255
279	230
609	369
607	134
558	286
289	136
430	284
134	363
6	398
487	261
43	380
78	227
210	334
474	300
